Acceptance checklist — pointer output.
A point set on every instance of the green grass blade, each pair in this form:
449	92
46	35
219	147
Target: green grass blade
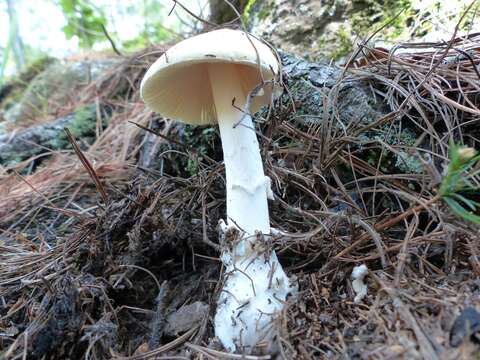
473	205
461	211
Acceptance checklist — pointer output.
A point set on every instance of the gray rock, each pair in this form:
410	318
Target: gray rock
301	27
321	94
314	85
57	84
185	318
35	140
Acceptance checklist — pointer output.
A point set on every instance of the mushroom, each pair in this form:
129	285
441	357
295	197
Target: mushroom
207	79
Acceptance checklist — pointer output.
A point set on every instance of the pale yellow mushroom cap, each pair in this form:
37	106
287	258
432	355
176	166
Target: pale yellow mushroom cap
178	85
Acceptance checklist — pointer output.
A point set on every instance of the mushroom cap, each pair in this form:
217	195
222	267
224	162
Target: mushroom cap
178	85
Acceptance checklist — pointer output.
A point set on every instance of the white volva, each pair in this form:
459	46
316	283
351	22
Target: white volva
255	285
195	81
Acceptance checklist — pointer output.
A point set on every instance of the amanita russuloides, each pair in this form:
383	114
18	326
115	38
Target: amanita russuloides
204	80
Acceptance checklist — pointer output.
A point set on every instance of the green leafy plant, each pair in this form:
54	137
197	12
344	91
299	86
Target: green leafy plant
84	20
154	14
458	187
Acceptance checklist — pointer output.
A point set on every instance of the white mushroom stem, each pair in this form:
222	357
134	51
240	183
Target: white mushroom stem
255	285
246	186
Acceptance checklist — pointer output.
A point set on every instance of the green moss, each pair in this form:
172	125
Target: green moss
345	44
84	122
391	162
408	163
248	7
82	125
13	90
370	14
262	9
51	86
309	97
36	67
405	18
364	16
13	161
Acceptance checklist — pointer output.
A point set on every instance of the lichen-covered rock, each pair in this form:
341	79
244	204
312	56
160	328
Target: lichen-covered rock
312	86
319	94
55	86
11	92
21	145
326	30
303	27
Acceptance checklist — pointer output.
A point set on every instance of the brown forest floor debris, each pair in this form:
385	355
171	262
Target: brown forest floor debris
81	278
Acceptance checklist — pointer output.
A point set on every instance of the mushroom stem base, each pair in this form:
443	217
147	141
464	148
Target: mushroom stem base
254	292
